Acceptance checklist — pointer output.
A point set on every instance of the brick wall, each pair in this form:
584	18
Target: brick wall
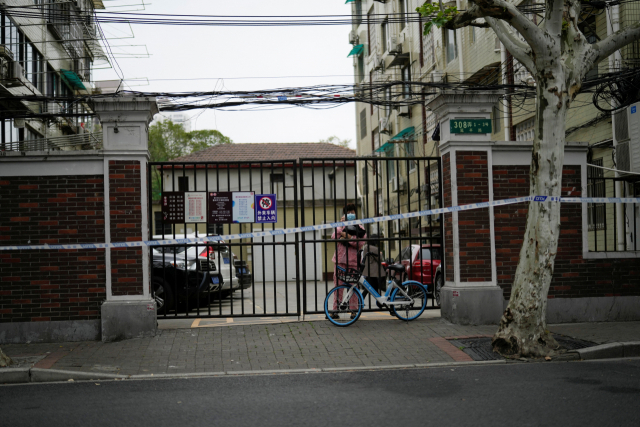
126	226
52	285
473	226
574	277
448	218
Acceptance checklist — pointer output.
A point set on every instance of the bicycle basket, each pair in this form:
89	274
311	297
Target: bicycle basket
348	276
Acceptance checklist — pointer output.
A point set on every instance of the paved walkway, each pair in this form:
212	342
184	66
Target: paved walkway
377	340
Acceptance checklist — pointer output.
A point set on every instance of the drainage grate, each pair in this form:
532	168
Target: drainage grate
480	348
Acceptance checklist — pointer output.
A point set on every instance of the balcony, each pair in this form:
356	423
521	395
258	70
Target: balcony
83	141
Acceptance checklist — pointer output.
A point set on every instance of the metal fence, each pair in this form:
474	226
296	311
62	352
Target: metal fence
612	227
287	274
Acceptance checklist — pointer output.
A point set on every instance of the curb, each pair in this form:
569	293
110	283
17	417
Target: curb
39	375
610	351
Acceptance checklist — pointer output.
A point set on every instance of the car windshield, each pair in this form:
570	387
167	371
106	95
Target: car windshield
430	254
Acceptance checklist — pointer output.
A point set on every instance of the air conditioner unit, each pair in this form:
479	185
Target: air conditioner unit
401	186
17	72
353	37
403	110
384	126
393	183
394	46
632	150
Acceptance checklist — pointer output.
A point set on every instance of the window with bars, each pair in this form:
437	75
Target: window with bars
596	188
428	49
363	124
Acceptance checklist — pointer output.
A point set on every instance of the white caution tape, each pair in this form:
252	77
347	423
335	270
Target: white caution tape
211	239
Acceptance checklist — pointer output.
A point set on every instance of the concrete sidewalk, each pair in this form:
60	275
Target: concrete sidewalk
378	340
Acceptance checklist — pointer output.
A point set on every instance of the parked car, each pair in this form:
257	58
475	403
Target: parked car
184	272
420	263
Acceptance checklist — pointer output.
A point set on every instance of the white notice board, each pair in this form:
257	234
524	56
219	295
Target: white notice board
195	207
243	206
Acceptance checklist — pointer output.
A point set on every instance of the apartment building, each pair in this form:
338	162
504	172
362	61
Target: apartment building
389	44
48	49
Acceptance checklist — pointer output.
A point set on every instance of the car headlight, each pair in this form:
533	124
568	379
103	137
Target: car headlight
180	265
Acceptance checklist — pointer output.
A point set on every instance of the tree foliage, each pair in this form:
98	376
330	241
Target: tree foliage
337	141
168	141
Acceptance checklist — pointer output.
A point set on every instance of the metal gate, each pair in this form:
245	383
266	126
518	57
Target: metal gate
285	274
376	187
244	277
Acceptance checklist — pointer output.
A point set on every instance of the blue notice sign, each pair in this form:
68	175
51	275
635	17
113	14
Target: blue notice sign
266	210
633	109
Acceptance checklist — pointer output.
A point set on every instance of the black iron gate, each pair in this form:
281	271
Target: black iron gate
376	187
285	274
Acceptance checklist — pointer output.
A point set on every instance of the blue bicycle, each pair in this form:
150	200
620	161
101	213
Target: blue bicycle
343	305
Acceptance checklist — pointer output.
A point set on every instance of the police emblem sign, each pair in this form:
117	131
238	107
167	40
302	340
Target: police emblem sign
266	210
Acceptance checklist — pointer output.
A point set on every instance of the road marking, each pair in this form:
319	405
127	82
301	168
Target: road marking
196	323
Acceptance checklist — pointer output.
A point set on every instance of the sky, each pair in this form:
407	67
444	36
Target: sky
227	56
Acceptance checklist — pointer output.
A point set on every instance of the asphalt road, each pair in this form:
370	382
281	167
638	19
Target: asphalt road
602	393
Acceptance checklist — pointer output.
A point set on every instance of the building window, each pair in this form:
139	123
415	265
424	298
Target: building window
595	188
391	165
410	149
406	78
450	45
497	119
161	229
404	9
183	183
361	67
525	130
371	31
384	34
375	140
215	229
363	123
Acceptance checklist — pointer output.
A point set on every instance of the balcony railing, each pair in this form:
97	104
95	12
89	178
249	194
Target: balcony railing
83	141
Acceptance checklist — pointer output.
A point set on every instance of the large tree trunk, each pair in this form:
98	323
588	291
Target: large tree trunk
522	330
4	359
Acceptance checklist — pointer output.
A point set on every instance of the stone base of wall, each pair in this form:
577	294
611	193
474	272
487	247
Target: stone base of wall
472	306
123	320
602	309
54	331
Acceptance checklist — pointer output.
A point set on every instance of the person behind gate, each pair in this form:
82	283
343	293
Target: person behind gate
346	254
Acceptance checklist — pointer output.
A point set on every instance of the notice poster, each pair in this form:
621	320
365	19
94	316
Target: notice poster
243	207
195	207
220	207
173	207
266	211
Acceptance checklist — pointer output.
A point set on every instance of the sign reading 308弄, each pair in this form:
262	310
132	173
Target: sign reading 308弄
470	125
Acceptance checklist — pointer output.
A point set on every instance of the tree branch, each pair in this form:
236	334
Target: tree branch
501	10
553	17
521	51
604	48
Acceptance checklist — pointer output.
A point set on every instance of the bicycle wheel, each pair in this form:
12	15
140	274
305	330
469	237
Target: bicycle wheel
414	309
340	312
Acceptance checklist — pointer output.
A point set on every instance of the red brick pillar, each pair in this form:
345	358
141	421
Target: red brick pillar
129	310
470	294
